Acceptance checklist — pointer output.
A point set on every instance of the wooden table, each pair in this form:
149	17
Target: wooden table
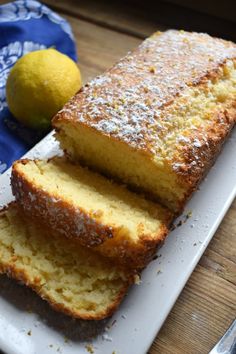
104	32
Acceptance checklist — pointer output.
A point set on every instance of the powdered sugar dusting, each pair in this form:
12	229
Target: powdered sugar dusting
68	221
131	101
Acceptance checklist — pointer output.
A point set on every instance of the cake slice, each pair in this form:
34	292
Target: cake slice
73	279
158	118
91	209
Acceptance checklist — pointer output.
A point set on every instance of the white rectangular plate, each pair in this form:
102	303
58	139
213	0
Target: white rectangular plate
28	325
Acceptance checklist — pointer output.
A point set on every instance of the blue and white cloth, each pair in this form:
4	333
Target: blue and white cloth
25	26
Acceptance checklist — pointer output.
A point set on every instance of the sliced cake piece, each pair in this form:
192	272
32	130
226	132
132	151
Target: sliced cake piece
158	118
71	278
88	207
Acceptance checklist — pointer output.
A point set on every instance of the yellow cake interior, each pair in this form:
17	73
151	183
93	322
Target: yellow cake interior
83	283
106	202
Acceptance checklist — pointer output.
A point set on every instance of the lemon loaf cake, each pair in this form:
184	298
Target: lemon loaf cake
84	205
71	278
158	118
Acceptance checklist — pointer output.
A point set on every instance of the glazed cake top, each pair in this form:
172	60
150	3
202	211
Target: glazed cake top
134	101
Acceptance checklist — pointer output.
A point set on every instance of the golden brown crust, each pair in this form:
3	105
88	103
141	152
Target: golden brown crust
64	218
12	271
135	256
58	213
211	140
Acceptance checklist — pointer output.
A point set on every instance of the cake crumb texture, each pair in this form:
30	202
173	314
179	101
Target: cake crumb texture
71	278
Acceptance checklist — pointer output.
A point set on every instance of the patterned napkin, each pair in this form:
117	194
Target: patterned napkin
25	26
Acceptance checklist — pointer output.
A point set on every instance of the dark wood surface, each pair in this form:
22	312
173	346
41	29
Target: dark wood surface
104	32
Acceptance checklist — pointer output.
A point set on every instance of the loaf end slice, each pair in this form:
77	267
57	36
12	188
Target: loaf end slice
91	209
69	277
158	118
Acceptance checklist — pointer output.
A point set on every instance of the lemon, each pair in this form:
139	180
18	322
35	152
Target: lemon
38	86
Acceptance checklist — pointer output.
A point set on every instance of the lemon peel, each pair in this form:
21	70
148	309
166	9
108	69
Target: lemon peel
38	86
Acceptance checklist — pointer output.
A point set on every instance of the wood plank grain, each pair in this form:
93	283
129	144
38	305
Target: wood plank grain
98	47
200	316
210	7
222	266
141	18
122	17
